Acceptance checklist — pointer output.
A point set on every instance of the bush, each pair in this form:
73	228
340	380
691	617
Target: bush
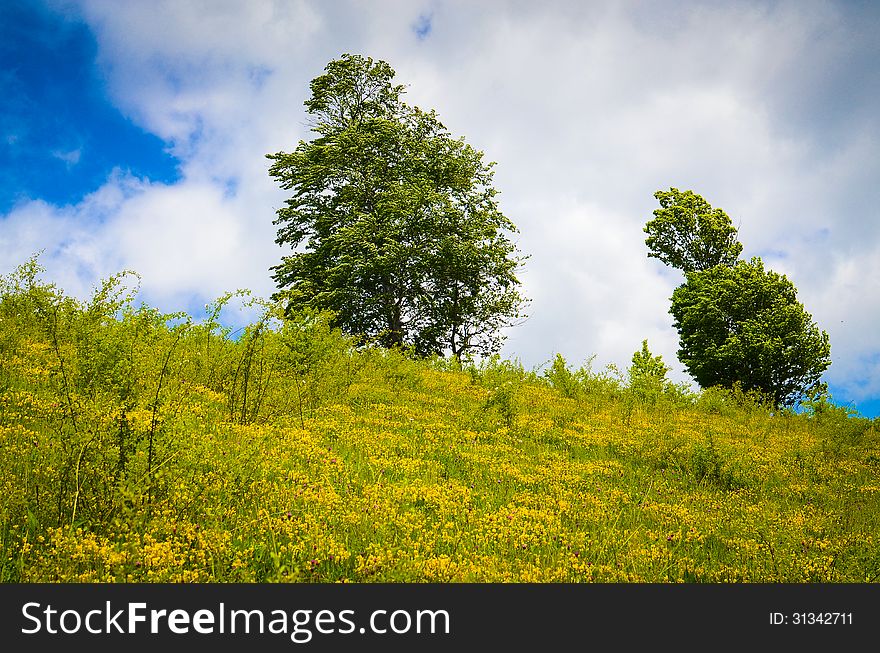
839	426
728	402
568	383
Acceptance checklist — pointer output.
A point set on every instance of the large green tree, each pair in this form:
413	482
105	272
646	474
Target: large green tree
737	322
394	223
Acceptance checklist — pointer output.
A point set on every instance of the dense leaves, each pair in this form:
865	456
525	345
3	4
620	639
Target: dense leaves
688	234
647	373
743	324
739	325
395	224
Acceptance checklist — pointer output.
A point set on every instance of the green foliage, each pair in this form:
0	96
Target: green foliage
742	324
710	465
737	323
403	239
688	234
841	426
109	365
501	398
568	383
494	370
719	400
584	381
314	356
647	373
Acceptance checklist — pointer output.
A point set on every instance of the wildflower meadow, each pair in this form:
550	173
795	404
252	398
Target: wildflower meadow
137	446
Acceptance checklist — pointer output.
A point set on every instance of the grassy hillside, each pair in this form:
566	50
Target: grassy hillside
136	446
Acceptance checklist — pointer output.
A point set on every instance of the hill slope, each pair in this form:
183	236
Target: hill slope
136	446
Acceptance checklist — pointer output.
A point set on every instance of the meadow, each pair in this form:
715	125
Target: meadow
137	446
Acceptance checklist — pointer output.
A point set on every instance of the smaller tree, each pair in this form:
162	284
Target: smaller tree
743	324
647	372
688	234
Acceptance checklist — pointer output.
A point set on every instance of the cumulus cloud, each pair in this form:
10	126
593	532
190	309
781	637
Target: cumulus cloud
588	108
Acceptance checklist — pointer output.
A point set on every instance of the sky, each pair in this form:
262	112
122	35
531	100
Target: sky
133	136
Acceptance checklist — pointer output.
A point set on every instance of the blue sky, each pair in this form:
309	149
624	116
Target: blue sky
62	136
133	135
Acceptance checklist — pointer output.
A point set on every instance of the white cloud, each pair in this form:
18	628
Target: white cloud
71	157
605	294
588	108
69	239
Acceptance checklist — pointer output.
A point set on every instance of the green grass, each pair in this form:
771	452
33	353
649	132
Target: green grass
136	446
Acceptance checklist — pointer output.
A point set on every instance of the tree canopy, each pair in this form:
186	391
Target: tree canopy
688	234
737	322
743	324
395	224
